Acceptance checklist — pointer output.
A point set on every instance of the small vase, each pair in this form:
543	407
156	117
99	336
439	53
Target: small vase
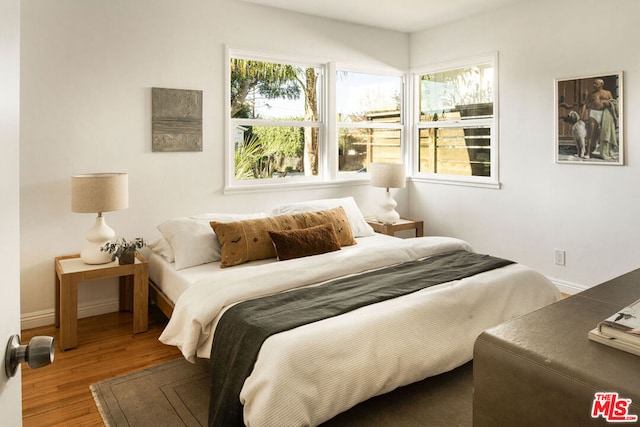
127	258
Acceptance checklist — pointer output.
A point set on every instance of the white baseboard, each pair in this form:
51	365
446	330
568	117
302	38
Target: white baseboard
568	287
47	317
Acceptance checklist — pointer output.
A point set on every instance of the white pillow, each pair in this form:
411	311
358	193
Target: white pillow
163	248
359	226
193	240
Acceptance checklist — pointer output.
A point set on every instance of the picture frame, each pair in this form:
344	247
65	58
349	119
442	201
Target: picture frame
589	119
176	120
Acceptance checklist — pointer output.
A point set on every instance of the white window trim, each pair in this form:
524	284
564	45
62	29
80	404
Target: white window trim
473	181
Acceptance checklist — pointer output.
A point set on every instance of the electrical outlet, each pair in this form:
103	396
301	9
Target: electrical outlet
560	257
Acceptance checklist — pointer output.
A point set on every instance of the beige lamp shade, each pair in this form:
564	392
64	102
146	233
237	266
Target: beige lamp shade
99	192
387	175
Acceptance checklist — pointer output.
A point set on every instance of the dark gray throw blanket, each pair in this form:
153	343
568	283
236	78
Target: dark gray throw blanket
244	327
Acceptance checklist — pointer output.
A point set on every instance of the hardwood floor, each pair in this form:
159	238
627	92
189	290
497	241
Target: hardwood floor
59	395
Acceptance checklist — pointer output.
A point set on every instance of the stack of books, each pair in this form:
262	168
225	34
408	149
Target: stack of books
620	330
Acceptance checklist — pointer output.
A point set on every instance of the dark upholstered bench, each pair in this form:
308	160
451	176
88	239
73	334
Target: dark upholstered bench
541	369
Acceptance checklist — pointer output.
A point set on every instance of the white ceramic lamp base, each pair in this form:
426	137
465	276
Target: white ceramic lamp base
97	236
387	213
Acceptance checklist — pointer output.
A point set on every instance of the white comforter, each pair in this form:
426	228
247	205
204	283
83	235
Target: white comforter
307	375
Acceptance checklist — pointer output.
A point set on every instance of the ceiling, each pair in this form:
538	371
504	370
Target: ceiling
398	15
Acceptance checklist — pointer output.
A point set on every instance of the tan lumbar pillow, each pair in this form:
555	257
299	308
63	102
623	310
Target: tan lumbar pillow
249	240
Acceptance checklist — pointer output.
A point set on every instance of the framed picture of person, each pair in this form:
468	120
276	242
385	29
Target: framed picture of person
589	125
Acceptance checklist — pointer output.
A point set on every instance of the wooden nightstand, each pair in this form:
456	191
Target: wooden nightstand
134	292
402	224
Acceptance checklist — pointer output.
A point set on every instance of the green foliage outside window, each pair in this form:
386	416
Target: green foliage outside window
269	150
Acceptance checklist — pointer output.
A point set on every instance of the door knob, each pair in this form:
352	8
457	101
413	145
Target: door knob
39	352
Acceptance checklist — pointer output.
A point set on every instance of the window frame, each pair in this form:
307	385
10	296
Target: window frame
328	167
492	181
233	184
400	126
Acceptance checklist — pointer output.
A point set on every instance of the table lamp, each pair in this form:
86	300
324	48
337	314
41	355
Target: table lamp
388	175
98	193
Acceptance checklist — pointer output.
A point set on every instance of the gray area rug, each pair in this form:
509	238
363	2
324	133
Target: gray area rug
176	393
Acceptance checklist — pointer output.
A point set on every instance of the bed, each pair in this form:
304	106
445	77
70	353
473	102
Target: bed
310	373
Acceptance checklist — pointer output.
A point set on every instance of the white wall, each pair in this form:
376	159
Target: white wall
87	71
590	211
